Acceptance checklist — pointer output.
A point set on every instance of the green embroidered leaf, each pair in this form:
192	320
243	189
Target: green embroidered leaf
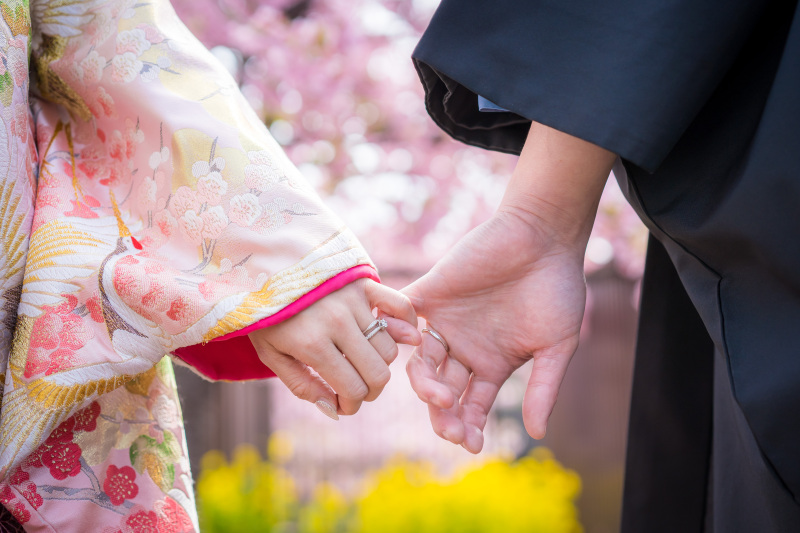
6	89
158	460
139	447
166	373
169	449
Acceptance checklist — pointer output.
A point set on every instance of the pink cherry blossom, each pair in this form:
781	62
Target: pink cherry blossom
353	102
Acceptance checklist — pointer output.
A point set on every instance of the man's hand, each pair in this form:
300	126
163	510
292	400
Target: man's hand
511	290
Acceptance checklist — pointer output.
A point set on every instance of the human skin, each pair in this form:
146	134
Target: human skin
305	351
511	290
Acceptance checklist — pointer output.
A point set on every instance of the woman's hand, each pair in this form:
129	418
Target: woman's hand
322	355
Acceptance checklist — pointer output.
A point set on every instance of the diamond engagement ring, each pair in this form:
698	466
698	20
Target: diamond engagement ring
435	334
376	327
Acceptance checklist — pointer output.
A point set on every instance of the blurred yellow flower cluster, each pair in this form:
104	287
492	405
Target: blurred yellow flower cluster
534	494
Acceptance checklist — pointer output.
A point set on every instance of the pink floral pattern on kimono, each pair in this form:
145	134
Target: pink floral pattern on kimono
144	212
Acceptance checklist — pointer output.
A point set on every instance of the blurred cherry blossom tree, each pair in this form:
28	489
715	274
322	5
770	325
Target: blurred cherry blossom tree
334	82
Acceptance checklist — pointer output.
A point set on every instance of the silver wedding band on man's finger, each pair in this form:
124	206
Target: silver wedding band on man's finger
375	327
435	334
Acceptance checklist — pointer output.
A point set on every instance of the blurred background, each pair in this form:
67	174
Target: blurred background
333	81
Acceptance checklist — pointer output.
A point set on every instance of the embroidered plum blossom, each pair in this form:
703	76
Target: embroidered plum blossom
245	209
140	521
147	194
277	214
95	309
102	105
156	158
63	459
128	281
63	433
86	419
80	209
165	412
184	199
172	517
211	188
30	494
20	123
165	223
17	60
231	279
164	62
150	72
178	310
156	298
92	67
192	226
126	68
151	33
18	476
56	335
132	41
7	495
202	168
120	484
214	222
263	173
74	333
58	453
260	157
122	147
20	513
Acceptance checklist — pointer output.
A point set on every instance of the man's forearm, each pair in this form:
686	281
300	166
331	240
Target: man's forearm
557	184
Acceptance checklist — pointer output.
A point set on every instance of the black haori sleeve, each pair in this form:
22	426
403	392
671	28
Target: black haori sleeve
628	75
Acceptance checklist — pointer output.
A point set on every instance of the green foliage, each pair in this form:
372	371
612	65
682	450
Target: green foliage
533	495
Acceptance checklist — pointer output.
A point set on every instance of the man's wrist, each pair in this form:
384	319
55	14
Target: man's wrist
556	185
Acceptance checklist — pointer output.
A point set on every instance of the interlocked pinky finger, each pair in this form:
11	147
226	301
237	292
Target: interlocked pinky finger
447	424
422	373
475	405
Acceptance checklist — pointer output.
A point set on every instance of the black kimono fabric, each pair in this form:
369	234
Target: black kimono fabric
701	101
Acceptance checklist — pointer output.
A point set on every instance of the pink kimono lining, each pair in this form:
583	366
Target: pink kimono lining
232	356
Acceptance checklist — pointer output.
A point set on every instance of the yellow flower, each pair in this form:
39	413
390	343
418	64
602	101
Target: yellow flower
533	495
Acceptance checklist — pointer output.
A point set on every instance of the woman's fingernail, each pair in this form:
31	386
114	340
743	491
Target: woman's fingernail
326	409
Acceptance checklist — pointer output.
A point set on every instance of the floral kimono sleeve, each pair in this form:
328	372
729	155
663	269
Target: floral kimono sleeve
164	220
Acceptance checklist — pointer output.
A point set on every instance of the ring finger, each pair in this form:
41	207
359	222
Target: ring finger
365	356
